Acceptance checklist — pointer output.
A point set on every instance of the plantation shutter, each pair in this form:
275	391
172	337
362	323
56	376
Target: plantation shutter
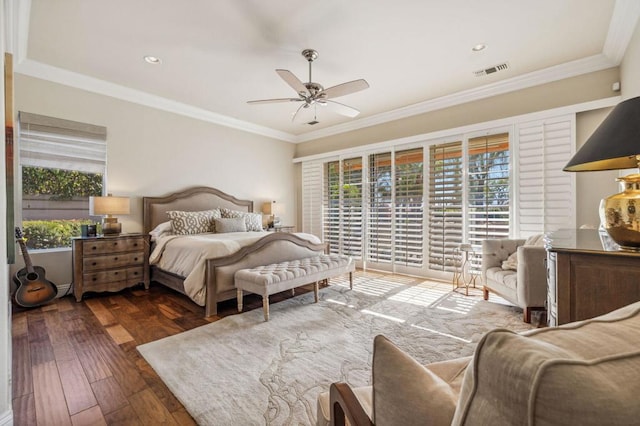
545	194
445	204
351	207
409	207
331	203
54	143
488	188
312	198
379	218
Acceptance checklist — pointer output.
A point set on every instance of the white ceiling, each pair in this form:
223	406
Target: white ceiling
218	54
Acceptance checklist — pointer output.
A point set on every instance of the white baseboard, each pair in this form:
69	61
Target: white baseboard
6	418
63	289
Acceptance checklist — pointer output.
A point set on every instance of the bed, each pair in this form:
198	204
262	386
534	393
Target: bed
259	248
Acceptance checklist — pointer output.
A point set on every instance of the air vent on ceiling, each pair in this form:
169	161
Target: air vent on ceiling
311	123
491	70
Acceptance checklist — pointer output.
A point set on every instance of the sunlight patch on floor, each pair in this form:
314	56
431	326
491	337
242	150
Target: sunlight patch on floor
419	295
440	333
379	315
458	303
377	287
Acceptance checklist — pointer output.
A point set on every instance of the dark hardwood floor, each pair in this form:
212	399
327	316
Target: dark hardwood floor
77	363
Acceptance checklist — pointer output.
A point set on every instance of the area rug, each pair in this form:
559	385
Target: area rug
243	370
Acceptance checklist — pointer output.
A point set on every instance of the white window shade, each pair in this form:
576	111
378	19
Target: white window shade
312	198
545	194
54	143
445	204
409	209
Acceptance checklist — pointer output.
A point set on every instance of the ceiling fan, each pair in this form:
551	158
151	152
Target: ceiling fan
311	93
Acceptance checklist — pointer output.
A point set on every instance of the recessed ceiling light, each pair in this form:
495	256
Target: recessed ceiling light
152	60
479	47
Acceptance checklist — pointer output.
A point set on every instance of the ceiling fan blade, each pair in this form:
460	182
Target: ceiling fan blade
272	101
345	89
305	105
342	109
293	81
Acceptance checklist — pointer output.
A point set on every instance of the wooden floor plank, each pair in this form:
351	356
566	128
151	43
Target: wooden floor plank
104	316
76	386
109	395
119	334
150	410
126	416
24	410
50	403
22	383
90	417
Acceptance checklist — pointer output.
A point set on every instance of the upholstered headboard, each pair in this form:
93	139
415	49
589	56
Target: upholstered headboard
154	209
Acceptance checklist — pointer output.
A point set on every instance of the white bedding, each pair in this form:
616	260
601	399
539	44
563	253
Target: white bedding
186	255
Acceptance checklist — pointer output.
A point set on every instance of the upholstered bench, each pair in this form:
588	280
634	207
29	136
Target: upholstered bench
270	279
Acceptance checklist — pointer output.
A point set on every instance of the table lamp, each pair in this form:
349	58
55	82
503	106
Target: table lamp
267	209
109	206
615	145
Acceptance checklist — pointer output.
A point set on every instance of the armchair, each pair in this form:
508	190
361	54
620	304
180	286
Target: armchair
585	373
524	283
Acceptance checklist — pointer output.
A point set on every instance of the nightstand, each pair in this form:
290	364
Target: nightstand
110	263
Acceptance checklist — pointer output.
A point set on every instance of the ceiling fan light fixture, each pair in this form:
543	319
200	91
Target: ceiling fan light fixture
479	47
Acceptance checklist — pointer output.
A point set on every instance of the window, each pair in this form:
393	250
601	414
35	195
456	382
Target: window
445	204
62	163
343	206
488	188
507	182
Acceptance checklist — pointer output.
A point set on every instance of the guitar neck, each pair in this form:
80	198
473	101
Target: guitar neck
25	255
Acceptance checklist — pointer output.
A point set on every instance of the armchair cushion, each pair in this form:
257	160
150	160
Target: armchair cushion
405	392
583	373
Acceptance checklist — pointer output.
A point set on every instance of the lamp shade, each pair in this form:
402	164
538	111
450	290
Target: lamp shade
266	208
108	205
615	144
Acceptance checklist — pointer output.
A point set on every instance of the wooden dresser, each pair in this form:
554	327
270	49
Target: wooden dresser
110	263
588	275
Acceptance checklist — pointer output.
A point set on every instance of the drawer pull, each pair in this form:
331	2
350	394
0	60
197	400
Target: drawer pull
135	259
115	273
94	248
135	244
94	263
115	258
94	279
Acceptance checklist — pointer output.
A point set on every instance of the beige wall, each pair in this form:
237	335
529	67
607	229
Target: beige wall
630	67
153	152
552	95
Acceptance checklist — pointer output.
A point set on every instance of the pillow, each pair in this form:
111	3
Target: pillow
512	261
228	213
406	393
189	223
253	221
163	229
236	224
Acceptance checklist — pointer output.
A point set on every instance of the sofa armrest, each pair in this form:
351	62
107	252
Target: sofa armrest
532	273
345	405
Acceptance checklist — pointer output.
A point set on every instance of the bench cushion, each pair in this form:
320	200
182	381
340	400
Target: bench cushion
277	277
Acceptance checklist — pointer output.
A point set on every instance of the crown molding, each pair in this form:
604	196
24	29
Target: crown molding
80	81
623	23
547	75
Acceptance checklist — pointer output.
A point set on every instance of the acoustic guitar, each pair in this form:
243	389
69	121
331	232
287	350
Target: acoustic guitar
33	287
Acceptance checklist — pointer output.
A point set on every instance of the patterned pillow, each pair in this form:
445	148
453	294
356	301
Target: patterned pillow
235	224
253	221
189	223
228	213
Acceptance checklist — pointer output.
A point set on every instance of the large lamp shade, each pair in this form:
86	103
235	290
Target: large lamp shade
616	145
108	206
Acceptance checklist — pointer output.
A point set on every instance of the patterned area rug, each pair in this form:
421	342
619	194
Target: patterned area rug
242	370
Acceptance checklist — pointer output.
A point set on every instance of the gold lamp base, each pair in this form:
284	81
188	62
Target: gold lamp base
111	226
620	213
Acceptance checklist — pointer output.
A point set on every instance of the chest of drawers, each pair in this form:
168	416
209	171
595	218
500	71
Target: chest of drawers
110	263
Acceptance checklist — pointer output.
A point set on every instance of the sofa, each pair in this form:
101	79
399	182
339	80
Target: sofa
515	270
583	373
